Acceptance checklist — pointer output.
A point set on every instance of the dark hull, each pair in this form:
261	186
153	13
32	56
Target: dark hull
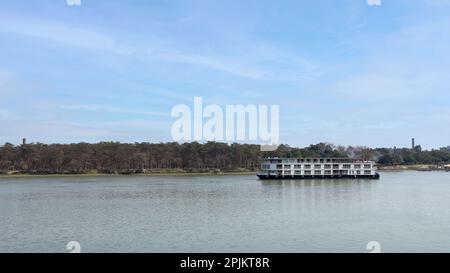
279	177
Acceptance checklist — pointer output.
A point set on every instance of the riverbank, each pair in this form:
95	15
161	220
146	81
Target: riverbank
181	172
415	167
24	175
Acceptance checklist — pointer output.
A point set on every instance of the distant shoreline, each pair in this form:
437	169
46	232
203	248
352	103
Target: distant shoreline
128	175
414	167
178	172
192	158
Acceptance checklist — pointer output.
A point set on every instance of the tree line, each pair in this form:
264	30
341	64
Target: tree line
125	158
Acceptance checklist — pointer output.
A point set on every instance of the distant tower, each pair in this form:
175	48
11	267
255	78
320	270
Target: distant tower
413	144
24	141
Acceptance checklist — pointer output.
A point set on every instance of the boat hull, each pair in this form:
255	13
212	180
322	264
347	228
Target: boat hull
289	177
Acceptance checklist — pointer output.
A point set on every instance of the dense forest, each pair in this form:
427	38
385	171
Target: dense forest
121	158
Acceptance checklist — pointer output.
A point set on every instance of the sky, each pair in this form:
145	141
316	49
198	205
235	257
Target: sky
343	72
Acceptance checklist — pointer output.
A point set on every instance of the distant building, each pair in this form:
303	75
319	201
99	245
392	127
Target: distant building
413	144
24	141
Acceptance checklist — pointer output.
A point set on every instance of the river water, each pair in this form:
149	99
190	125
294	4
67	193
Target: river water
403	211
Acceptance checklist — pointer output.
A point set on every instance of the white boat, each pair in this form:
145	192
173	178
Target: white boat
317	168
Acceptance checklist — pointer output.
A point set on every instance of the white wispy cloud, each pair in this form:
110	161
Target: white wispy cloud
268	65
102	108
62	33
243	67
402	64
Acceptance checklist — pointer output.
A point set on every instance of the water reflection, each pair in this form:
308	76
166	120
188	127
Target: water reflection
322	192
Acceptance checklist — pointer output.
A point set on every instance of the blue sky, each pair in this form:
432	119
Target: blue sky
342	71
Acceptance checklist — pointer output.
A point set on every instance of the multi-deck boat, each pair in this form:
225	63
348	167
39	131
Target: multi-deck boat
317	168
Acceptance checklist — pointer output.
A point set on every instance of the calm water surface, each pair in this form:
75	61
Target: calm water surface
404	211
